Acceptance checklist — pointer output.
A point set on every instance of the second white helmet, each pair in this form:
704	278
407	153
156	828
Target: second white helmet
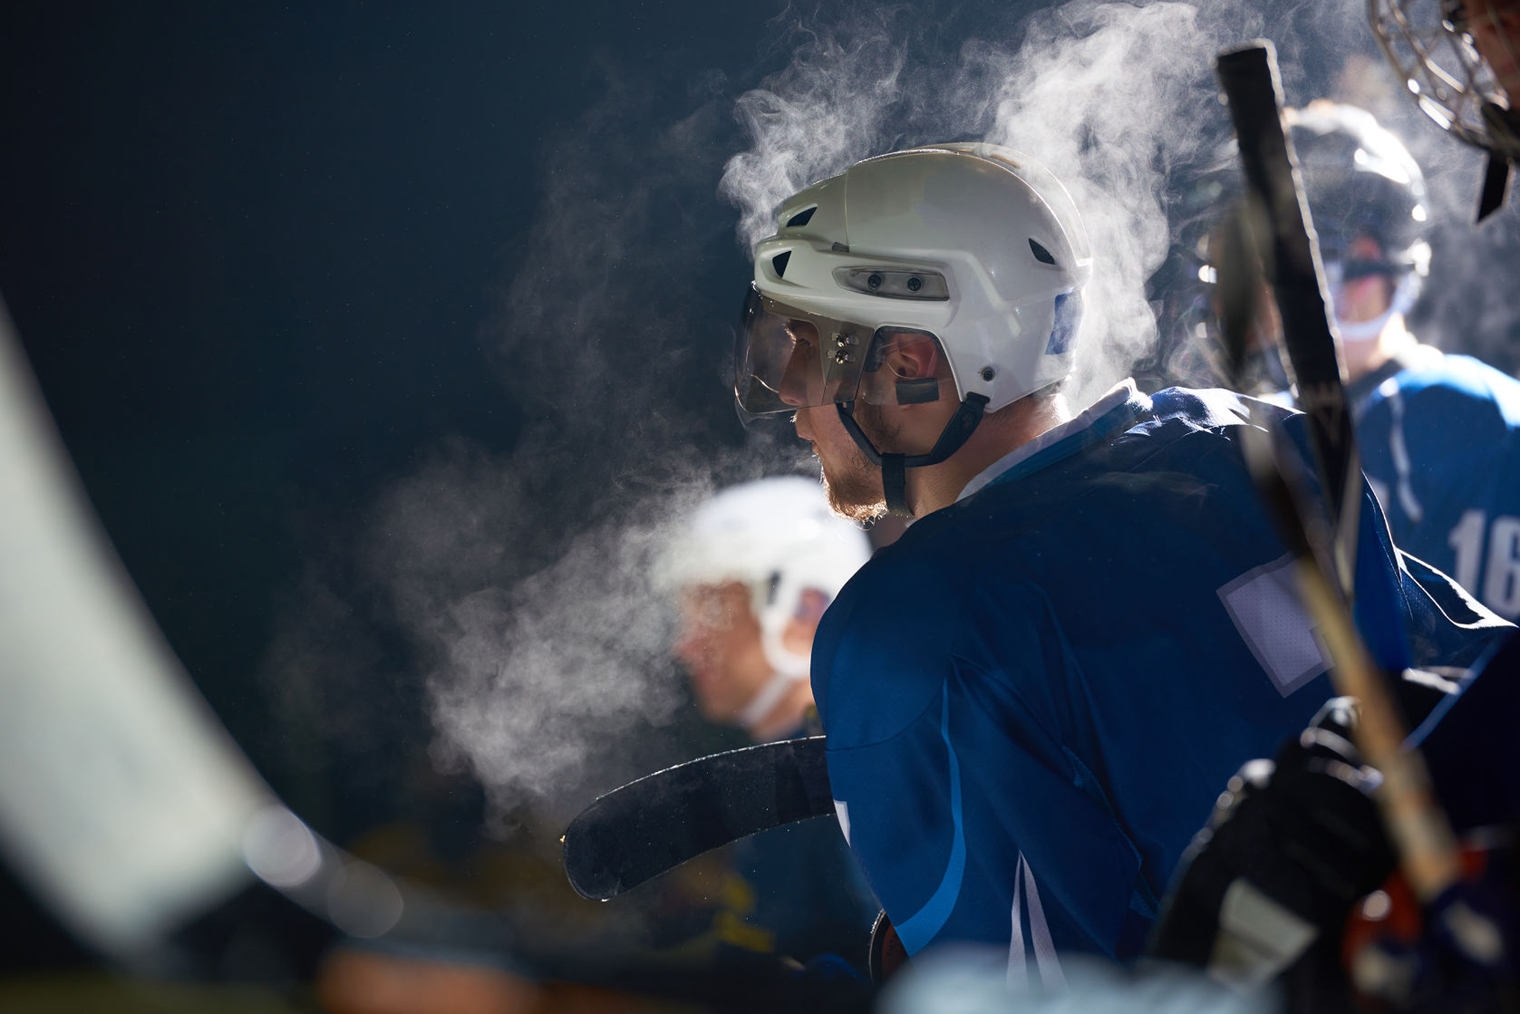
778	537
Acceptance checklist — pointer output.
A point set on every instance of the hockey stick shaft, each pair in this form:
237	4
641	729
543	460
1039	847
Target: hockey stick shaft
1326	566
1250	80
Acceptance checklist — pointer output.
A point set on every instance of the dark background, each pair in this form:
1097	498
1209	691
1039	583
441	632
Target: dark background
251	252
255	254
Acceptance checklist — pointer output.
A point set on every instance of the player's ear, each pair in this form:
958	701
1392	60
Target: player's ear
913	356
916	367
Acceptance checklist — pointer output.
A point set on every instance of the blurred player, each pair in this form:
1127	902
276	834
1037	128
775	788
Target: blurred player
1439	434
754	569
1032	698
1298	841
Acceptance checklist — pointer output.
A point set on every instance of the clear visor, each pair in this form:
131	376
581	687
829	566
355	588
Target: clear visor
786	358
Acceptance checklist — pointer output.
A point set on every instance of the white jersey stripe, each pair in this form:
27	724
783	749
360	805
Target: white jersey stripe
1051	976
1018	972
1400	451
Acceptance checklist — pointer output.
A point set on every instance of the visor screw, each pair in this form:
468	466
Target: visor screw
841	356
988	373
915	283
874	280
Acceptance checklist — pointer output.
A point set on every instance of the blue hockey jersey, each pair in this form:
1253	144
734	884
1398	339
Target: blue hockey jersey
1033	698
1441	445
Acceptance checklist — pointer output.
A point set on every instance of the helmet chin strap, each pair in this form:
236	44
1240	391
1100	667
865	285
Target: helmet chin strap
1363	330
1405	293
894	467
769	696
787	669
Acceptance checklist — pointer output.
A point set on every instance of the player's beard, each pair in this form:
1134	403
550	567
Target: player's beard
853	484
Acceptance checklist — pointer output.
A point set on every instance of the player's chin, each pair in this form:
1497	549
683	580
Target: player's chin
854	497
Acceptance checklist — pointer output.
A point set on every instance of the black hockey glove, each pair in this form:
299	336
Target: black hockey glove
1291	845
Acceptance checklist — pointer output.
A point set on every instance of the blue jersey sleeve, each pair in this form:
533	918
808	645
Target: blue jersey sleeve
958	795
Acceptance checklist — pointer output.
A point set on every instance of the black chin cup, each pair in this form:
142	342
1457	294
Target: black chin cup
1495	185
894	467
1502	124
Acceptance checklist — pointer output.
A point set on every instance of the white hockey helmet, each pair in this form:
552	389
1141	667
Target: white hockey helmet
976	245
778	537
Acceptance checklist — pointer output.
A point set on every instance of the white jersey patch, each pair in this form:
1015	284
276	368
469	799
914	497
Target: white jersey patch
1263	603
842	811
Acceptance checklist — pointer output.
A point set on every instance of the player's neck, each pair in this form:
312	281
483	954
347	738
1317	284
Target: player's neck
999	434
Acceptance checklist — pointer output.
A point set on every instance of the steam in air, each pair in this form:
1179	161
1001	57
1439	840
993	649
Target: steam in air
519	579
1086	91
507	590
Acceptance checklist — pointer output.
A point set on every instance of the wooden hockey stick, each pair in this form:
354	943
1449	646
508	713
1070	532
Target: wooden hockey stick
1283	233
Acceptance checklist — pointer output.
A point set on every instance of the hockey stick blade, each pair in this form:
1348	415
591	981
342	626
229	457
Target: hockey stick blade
661	820
1252	89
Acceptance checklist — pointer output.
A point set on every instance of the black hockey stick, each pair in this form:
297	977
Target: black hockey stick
1250	80
1326	565
661	820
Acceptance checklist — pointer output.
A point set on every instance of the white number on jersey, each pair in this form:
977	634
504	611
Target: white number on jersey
1501	574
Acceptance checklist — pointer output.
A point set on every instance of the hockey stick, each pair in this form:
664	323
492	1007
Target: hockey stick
661	820
1250	81
1326	560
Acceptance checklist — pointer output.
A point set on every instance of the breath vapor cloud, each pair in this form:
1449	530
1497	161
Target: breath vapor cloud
1086	91
519	579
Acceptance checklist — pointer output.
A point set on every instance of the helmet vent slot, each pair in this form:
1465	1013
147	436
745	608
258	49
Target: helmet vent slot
1040	253
780	261
800	219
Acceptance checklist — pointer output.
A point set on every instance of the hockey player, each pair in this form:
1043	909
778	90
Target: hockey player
1032	698
754	569
1305	835
1370	209
1439	434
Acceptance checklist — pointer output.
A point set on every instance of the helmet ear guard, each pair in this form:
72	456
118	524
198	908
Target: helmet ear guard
910	391
918	391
